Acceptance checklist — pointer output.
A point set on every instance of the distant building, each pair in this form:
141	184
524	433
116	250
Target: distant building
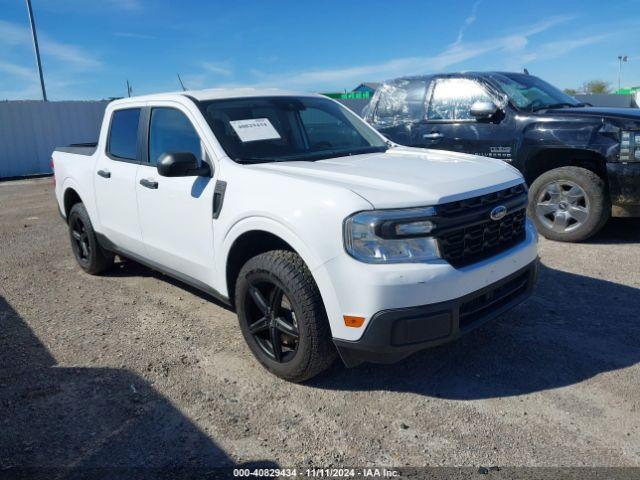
367	87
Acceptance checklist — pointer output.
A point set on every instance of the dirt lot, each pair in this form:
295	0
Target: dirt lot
135	369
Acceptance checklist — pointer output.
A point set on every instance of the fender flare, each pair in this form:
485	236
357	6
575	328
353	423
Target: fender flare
268	225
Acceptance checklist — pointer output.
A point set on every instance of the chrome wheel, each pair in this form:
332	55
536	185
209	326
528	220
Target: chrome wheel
272	321
562	206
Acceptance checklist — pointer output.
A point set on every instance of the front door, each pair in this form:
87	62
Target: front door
115	182
450	125
176	212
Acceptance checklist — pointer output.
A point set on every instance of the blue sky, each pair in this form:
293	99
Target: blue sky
90	47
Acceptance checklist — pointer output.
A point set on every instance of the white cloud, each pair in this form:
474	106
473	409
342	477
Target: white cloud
17	70
217	68
140	36
470	20
13	35
454	54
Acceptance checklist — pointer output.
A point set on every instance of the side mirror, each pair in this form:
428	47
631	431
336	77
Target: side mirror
483	109
181	164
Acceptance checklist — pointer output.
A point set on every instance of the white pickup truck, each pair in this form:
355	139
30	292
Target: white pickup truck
323	235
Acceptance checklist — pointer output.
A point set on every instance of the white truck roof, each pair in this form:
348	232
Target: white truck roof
216	93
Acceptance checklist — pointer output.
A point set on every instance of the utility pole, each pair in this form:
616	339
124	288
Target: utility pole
37	49
129	89
621	58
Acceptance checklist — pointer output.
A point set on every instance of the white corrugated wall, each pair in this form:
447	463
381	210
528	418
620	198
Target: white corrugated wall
30	130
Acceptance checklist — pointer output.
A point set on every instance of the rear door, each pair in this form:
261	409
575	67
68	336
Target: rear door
176	212
450	125
115	181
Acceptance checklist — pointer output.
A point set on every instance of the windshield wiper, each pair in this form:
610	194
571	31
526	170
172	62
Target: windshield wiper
247	160
556	105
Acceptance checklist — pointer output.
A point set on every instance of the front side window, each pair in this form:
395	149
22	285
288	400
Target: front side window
171	131
123	134
452	99
401	101
267	129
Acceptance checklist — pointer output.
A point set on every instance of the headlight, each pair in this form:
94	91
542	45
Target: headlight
630	147
391	236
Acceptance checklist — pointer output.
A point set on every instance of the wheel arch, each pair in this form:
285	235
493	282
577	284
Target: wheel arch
252	237
548	159
70	197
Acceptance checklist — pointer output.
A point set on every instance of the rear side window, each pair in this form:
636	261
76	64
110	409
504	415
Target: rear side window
123	134
401	101
452	99
172	132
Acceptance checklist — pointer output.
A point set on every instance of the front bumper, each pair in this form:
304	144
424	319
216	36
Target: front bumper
394	334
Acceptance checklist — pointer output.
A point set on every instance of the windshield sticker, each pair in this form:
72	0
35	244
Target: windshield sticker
254	129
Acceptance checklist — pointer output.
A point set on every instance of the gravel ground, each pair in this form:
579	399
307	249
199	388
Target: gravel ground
133	369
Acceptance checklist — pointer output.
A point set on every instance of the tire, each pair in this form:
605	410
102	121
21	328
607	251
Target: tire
297	320
569	204
91	257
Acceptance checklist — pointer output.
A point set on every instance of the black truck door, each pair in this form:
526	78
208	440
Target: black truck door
450	126
400	109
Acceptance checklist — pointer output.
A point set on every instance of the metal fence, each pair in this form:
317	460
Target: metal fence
30	130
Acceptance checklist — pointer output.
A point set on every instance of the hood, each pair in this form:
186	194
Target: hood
407	177
627	113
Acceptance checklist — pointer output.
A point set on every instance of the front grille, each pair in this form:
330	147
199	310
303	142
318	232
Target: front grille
462	206
488	302
467	234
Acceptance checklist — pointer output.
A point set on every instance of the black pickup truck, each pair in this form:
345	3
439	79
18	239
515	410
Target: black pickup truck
582	164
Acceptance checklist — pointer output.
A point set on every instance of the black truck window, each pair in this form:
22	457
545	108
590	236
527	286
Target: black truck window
171	131
452	99
400	101
123	134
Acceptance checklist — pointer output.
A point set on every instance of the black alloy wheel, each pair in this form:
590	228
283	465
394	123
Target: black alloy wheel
80	239
271	320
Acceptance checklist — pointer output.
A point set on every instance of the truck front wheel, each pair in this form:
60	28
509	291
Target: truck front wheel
569	204
282	316
91	257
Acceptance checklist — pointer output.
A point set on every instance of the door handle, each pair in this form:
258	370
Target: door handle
149	183
104	173
432	135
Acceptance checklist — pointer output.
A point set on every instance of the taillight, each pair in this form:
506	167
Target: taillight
52	171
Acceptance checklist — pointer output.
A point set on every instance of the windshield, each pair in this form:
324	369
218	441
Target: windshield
530	93
269	129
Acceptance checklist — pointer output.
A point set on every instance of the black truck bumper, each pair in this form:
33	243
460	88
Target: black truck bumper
392	335
624	188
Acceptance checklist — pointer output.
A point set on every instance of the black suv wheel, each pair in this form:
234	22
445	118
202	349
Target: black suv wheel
91	257
282	316
569	204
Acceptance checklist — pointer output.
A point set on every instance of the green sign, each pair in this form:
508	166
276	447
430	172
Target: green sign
348	95
627	91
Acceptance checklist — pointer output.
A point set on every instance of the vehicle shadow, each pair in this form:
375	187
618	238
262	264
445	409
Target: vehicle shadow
60	422
572	328
125	267
617	231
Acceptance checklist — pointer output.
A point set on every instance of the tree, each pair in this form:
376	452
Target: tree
570	91
596	86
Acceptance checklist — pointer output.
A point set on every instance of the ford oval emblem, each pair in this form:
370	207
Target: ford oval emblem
498	213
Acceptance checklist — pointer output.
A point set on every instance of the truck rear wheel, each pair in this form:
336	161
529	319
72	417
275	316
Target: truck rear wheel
569	204
282	316
91	257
